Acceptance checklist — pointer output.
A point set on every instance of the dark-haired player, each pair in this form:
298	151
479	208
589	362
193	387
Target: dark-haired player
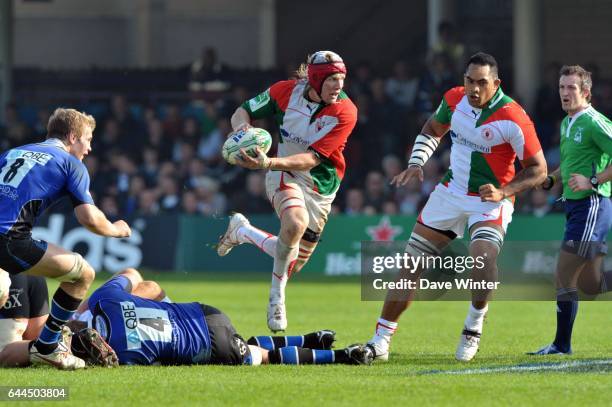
488	131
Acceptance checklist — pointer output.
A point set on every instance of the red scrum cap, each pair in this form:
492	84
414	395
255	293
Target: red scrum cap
322	64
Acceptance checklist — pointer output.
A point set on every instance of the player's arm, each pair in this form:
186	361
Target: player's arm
424	146
258	107
602	136
551	179
579	182
94	220
240	119
297	162
532	175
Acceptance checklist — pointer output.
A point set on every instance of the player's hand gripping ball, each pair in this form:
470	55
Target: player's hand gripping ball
248	139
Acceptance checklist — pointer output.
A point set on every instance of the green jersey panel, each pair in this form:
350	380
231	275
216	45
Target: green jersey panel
586	148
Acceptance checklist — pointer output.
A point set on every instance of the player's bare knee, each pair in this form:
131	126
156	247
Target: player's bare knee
295	226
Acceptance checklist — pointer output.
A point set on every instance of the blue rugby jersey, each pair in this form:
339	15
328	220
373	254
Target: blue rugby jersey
145	332
32	178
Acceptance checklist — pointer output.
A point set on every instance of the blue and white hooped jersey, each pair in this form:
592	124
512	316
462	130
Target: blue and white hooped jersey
33	177
145	332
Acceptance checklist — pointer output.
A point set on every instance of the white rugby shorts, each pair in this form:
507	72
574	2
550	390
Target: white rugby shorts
280	185
446	210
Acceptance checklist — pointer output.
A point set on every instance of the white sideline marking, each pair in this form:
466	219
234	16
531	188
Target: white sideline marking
527	367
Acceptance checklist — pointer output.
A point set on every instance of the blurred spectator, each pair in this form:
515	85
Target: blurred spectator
208	73
209	148
450	45
189	203
402	86
539	205
212	201
390	208
150	165
147	203
437	79
195	171
109	206
547	107
130	200
173	123
169	198
385	117
355	202
375	191
411	198
253	199
131	135
359	81
391	166
158	140
16	132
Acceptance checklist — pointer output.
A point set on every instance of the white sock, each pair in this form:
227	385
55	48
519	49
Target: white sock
260	238
385	329
285	257
475	318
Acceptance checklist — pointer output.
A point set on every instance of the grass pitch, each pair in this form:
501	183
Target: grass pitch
421	369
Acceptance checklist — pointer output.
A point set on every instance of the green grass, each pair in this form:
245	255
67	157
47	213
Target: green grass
425	342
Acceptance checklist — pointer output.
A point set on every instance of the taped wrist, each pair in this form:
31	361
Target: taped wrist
424	147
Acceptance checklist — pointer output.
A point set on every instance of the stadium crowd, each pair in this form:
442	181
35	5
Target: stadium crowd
150	159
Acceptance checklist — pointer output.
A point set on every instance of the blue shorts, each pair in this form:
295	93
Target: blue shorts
588	222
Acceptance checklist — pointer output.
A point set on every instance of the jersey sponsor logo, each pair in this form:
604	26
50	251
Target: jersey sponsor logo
459	139
130	322
486	134
293	138
13	299
19	163
578	135
259	101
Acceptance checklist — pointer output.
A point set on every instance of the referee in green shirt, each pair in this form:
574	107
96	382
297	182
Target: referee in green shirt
585	171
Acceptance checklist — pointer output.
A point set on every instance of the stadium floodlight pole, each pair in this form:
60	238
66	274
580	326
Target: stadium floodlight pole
6	53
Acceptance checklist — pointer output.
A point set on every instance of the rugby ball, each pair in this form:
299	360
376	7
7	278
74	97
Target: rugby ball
248	139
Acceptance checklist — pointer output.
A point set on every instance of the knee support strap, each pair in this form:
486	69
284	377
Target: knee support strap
418	246
311	236
489	234
75	272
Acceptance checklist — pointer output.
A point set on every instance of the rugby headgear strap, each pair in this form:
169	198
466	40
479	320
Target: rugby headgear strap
321	65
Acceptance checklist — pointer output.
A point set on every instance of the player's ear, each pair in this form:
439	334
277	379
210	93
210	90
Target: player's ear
497	82
72	137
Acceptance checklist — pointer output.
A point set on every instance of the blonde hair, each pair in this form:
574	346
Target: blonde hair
66	121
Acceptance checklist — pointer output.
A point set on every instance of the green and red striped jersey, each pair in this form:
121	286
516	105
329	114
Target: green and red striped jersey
485	142
308	126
